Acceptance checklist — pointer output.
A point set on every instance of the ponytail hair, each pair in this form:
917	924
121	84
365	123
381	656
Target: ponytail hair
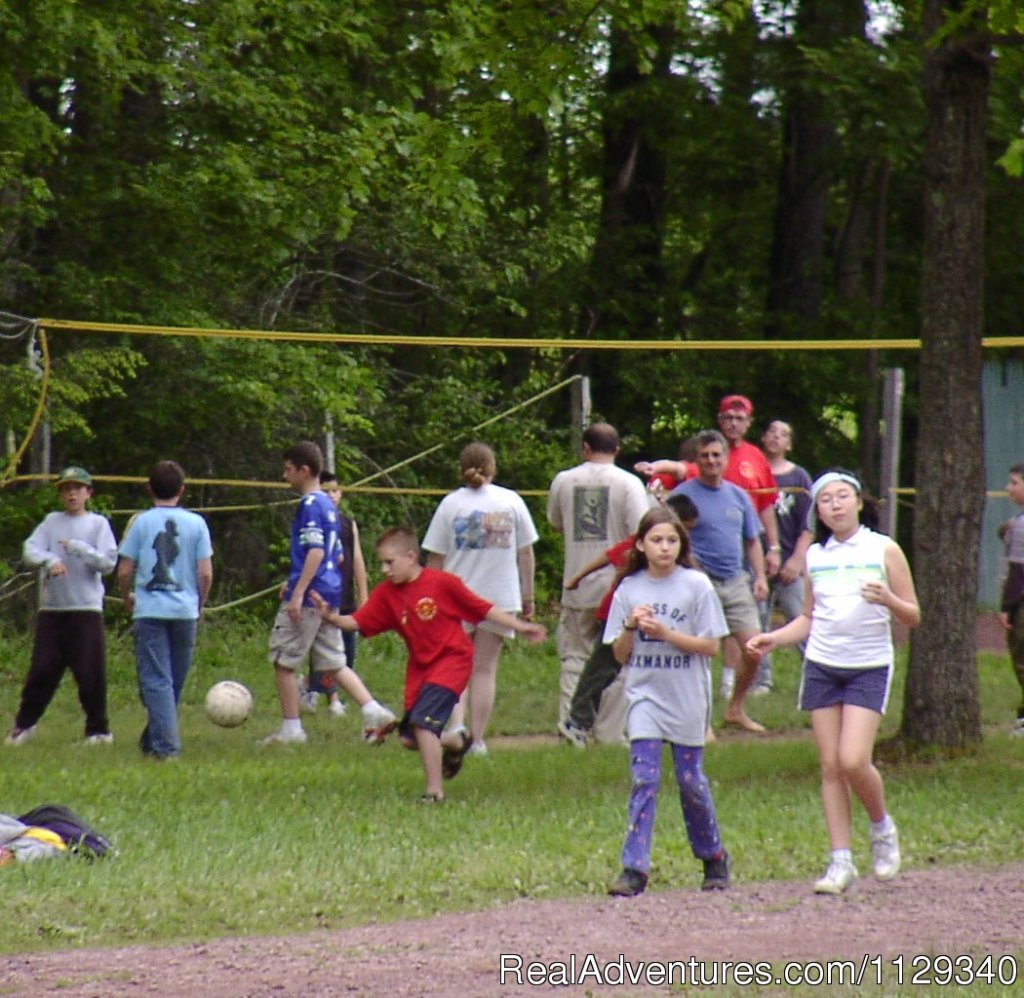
477	464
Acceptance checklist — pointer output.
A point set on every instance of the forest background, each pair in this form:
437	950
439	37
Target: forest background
631	170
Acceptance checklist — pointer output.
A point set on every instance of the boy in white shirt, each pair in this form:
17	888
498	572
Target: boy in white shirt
75	548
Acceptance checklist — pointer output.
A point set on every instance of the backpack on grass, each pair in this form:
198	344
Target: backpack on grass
76	832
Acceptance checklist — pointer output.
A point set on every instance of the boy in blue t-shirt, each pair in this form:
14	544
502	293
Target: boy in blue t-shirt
164	575
315	556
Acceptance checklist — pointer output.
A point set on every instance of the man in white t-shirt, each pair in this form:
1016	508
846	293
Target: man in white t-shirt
594	505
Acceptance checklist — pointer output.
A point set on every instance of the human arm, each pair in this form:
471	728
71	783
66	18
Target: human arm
773	554
359	568
534	633
312	561
204	578
755	558
343	620
791	633
663	466
526	563
591	566
37	551
899	595
793	567
126	582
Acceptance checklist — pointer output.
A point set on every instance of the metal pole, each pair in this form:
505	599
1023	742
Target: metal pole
329	445
580	411
892	427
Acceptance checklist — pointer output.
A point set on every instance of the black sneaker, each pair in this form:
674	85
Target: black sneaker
716	873
629	884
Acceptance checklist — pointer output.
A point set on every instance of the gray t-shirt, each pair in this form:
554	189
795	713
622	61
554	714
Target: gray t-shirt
668	690
86	545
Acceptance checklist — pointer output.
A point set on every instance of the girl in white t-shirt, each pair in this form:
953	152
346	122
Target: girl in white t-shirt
858	581
484	534
665	625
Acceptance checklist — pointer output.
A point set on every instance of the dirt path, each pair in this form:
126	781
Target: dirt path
923	912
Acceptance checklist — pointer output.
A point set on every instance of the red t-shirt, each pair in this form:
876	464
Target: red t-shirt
749	469
617	555
428	613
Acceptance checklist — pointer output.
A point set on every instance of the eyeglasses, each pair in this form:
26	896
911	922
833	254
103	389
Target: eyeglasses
734	417
828	500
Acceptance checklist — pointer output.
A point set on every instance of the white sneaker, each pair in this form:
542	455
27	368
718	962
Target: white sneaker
336	708
378	723
477	748
100	739
281	737
573	734
1017	731
19	736
839	877
308	701
885	851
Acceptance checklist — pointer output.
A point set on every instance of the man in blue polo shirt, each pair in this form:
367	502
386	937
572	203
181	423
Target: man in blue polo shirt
726	538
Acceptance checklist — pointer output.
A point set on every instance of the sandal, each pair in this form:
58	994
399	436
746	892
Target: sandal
452	758
431	799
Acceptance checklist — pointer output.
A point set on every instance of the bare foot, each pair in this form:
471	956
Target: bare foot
739	719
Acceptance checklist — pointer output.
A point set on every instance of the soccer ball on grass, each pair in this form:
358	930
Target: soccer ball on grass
228	704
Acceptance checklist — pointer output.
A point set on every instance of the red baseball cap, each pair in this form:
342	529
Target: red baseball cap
731	402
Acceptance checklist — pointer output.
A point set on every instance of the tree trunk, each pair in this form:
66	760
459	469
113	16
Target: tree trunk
941	707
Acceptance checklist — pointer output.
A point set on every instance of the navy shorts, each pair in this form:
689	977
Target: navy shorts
431	710
826	686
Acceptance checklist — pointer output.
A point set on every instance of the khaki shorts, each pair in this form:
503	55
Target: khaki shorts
738	605
290	643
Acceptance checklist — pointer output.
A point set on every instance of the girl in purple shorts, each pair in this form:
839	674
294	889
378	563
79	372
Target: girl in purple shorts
858	581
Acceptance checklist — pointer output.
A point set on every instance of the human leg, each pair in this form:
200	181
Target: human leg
45	671
1015	646
86	655
578	630
483	684
696	801
598	674
429	746
645	766
156	687
826	724
741	618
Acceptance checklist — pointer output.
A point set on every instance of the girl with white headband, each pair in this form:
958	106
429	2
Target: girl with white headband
858	581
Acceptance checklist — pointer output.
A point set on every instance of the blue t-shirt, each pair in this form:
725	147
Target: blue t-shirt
316	526
166	543
726	519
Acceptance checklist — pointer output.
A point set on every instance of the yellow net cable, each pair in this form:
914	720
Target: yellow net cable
44	387
502	343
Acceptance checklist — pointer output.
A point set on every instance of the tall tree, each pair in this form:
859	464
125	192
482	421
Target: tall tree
941	706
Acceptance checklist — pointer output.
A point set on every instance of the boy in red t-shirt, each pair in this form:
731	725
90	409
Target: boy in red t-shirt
427	608
601	668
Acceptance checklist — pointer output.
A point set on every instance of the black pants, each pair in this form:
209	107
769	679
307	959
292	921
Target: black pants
67	639
598	674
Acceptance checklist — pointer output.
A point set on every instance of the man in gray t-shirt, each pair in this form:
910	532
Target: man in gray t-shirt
594	505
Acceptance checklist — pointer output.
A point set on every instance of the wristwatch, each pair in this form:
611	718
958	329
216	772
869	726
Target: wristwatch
626	627
776	547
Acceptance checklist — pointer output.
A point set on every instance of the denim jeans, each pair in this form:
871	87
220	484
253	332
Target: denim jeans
163	655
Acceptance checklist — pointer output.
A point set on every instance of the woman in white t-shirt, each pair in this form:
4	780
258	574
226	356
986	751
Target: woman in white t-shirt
484	534
665	625
857	582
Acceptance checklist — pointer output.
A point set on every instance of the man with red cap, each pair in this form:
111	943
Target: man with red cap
748	468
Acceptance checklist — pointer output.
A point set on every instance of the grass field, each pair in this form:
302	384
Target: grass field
235	838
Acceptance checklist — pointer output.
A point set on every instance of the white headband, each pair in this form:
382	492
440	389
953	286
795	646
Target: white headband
833	476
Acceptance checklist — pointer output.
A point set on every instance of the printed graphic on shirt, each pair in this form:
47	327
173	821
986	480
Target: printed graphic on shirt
165	544
590	513
426	608
478	530
651	659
